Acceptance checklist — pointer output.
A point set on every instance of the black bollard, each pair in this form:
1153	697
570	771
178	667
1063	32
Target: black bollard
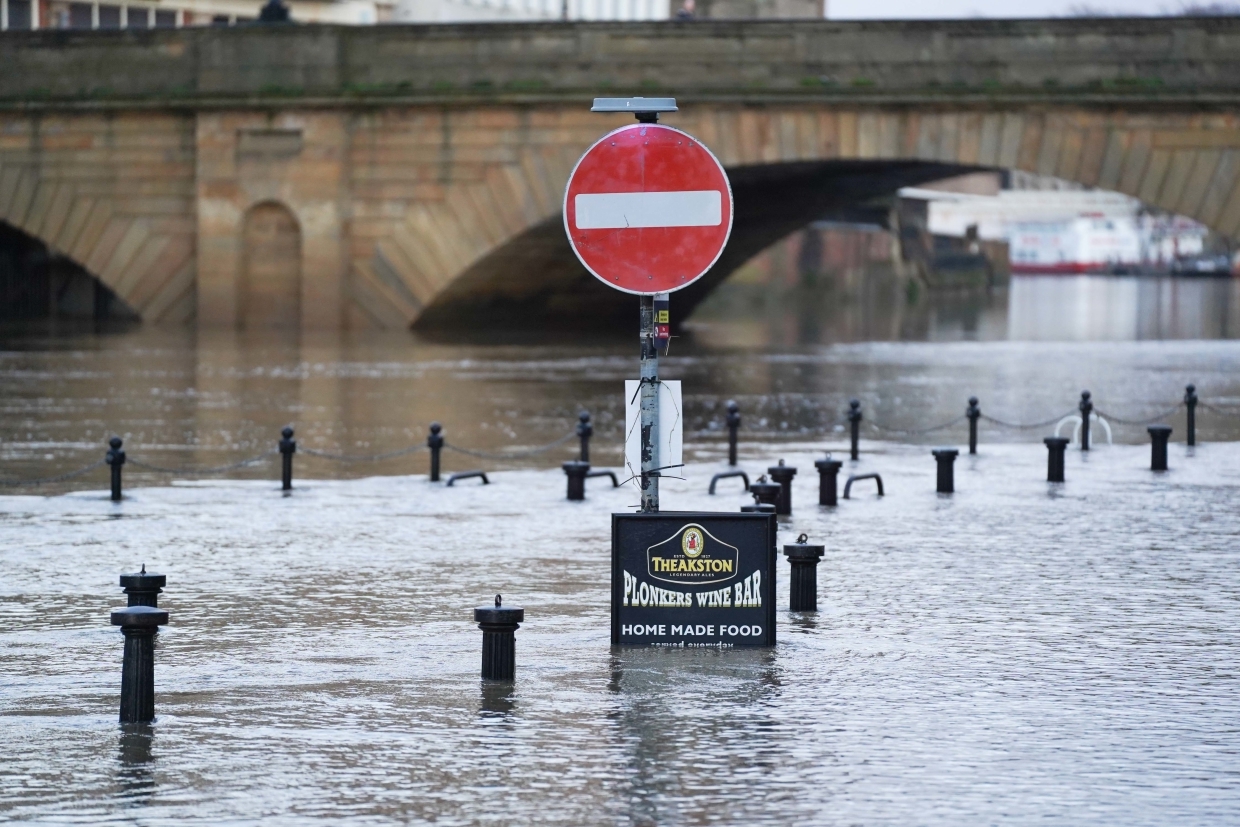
138	625
499	645
765	492
783	475
854	421
946	458
1055	447
803	586
288	447
974	413
576	473
435	442
115	458
1086	408
1159	434
584	430
143	588
734	424
828	476
1190	402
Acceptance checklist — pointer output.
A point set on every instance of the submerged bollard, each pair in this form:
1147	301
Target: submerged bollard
138	625
435	442
727	475
758	508
1086	408
803	586
468	475
288	447
946	458
974	413
143	588
766	493
499	644
584	430
1055	447
576	473
857	478
115	458
828	476
1190	402
1159	434
734	424
854	421
783	475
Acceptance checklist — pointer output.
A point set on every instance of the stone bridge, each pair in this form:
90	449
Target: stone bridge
391	176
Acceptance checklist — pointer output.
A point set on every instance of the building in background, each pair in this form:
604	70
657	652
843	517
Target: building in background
454	11
457	11
1053	226
26	15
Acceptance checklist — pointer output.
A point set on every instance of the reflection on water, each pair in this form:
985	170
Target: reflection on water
1092	308
497	700
875	304
185	400
136	772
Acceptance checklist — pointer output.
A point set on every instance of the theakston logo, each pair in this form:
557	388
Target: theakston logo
691	556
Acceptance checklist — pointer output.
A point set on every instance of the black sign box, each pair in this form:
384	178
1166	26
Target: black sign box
684	578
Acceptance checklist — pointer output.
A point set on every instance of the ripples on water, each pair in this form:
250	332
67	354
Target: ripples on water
179	400
1016	652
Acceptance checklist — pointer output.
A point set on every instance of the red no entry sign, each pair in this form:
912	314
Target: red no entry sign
648	209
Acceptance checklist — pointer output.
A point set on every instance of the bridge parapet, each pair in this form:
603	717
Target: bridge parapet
1107	60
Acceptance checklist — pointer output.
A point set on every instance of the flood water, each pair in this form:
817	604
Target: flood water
1016	652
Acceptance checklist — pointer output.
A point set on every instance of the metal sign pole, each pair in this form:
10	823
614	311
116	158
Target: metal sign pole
649	392
611	199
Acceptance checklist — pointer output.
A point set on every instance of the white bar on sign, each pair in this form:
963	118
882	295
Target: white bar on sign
634	210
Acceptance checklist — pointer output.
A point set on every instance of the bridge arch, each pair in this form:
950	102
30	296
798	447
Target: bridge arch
534	279
38	283
111	193
493	251
428	215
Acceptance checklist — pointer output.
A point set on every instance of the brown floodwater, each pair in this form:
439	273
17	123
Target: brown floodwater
1016	652
189	400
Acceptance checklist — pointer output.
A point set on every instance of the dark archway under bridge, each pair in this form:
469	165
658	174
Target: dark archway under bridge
535	282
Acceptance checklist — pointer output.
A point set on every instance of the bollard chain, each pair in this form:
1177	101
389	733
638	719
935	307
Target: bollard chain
58	478
1150	421
1024	427
219	469
511	454
1219	411
412	449
918	431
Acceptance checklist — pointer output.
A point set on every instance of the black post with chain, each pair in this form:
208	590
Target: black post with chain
116	459
974	413
435	442
1086	407
288	447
